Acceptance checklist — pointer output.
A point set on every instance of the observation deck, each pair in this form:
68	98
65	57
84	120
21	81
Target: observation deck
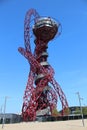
45	28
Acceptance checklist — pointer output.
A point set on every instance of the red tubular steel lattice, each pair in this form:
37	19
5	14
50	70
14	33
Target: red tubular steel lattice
42	90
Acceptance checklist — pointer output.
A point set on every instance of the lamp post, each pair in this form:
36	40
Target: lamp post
3	122
1	109
80	108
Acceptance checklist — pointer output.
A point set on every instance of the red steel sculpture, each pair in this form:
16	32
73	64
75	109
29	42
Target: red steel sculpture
42	90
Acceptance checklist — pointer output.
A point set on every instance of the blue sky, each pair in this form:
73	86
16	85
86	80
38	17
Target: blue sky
67	53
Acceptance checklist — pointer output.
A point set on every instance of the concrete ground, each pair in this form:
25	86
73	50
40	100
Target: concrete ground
57	125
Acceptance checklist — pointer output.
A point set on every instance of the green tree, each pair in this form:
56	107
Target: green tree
55	112
77	111
84	110
67	111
